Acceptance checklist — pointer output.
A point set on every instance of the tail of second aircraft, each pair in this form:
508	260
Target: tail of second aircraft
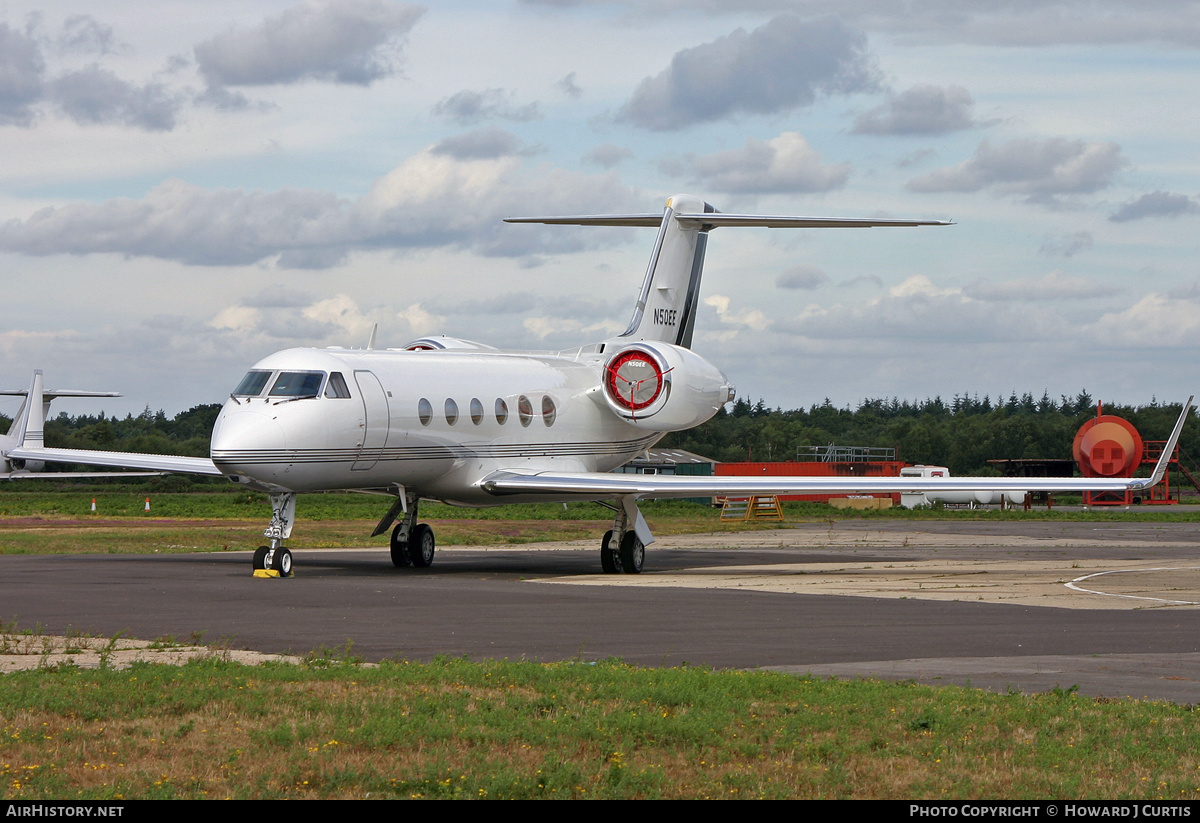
666	306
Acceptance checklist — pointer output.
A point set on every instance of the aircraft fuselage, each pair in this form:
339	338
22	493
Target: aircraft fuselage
433	421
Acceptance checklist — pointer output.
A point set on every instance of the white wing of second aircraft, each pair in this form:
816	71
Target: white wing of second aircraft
26	437
127	460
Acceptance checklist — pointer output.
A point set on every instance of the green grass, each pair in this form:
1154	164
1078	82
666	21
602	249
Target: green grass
456	729
61	522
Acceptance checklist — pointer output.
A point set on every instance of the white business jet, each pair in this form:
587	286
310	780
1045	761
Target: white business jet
26	430
462	422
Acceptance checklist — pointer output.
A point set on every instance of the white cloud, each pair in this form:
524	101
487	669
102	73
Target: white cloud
428	200
1053	285
746	318
481	144
21	72
1156	204
94	96
920	110
804	276
786	163
1021	24
1041	170
420	321
343	41
780	66
1155	321
469	107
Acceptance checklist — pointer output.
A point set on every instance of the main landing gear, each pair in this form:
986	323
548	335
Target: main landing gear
414	548
621	550
275	560
412	543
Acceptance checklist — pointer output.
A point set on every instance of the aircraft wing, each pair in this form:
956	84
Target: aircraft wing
24	475
125	460
595	485
600	485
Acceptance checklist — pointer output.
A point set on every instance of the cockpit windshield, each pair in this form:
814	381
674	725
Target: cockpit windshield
297	384
252	384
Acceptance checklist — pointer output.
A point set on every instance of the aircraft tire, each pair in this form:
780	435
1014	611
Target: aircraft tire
282	562
401	558
260	557
421	546
610	561
633	553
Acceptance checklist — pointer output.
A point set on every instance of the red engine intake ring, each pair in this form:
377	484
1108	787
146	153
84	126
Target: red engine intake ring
634	380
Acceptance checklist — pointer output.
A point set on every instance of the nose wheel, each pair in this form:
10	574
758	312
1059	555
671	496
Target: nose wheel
274	559
272	562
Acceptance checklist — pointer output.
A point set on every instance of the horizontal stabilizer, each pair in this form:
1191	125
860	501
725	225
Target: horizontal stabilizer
52	394
712	220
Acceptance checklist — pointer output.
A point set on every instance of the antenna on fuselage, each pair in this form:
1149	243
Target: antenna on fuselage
371	342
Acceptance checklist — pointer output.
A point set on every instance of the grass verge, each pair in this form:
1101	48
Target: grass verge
457	729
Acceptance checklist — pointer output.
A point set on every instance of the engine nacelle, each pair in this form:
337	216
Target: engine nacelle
22	465
663	387
441	342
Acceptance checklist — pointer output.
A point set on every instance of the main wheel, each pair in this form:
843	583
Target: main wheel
282	562
400	554
260	557
421	546
633	553
610	559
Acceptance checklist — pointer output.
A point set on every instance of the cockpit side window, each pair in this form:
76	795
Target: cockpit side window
252	384
336	387
297	384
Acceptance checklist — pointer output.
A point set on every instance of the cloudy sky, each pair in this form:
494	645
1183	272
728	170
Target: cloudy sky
187	187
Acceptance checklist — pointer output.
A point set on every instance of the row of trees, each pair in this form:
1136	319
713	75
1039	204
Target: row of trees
963	434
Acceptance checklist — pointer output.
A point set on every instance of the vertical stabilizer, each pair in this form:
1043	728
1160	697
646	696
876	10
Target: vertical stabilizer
28	424
666	306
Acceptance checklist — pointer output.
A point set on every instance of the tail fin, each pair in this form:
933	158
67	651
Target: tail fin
30	419
28	424
666	306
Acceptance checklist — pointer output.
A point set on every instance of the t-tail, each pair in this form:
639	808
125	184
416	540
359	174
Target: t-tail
666	305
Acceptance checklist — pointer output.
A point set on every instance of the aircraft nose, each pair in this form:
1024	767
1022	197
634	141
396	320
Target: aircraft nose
242	438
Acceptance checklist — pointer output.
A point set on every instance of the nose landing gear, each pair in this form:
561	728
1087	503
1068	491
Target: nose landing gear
275	560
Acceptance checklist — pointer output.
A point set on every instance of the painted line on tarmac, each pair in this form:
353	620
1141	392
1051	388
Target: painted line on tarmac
1071	585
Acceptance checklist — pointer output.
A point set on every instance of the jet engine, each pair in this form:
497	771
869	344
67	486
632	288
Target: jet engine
663	387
